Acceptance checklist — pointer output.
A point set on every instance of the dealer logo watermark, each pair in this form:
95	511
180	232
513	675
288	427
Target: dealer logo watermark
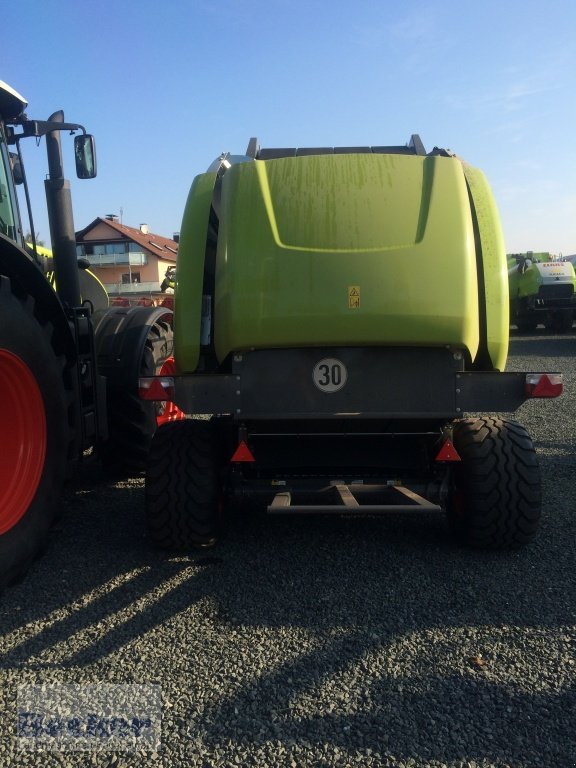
89	717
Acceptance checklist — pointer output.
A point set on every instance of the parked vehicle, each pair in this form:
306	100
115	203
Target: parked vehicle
339	312
69	364
542	291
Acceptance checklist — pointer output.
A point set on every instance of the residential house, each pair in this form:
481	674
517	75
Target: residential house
127	260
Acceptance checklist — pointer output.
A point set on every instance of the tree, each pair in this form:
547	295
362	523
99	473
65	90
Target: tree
28	239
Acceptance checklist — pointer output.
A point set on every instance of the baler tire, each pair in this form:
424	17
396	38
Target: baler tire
560	321
182	485
496	498
36	401
132	422
526	325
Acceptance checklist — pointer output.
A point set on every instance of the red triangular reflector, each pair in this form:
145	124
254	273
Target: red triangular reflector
448	452
153	389
242	453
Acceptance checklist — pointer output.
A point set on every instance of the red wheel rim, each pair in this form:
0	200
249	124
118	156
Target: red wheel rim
167	410
24	423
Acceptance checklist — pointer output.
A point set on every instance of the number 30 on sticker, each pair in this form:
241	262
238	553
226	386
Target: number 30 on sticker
330	374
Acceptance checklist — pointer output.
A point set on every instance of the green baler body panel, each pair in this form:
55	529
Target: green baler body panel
345	250
189	273
494	266
529	283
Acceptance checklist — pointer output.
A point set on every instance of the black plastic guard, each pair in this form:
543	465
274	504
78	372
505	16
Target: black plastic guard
120	337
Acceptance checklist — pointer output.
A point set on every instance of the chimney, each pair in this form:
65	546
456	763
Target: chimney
144	229
111	217
176	237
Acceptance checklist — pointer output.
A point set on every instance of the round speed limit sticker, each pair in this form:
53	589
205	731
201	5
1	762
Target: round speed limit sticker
330	375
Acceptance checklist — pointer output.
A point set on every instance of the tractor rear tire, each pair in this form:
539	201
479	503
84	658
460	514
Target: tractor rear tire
183	485
35	405
496	498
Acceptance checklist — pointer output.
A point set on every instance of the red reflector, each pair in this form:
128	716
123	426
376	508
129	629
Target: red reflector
242	453
543	384
156	388
448	452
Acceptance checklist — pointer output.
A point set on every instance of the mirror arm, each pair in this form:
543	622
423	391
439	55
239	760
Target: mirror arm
39	128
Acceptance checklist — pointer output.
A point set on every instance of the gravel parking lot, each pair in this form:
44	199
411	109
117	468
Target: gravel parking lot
367	642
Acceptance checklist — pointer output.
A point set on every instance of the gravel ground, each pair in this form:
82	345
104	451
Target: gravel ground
373	642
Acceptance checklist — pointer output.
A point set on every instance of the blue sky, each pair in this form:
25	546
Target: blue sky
166	86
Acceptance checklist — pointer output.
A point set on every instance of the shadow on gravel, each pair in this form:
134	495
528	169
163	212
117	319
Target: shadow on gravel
554	453
460	716
357	585
542	344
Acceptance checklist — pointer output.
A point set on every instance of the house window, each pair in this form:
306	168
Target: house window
113	254
127	275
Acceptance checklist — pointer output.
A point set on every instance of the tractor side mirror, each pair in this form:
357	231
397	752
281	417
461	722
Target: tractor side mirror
85	155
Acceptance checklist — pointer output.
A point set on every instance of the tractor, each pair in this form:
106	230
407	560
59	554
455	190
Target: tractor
69	363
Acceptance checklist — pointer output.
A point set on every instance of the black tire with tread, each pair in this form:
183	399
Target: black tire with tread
183	485
132	421
496	499
526	324
31	339
560	321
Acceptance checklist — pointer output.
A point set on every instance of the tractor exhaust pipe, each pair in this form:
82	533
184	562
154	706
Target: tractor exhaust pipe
60	216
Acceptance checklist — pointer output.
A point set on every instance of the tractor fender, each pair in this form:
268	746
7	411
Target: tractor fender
28	279
120	335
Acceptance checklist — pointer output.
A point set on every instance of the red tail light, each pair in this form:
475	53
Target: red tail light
543	384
